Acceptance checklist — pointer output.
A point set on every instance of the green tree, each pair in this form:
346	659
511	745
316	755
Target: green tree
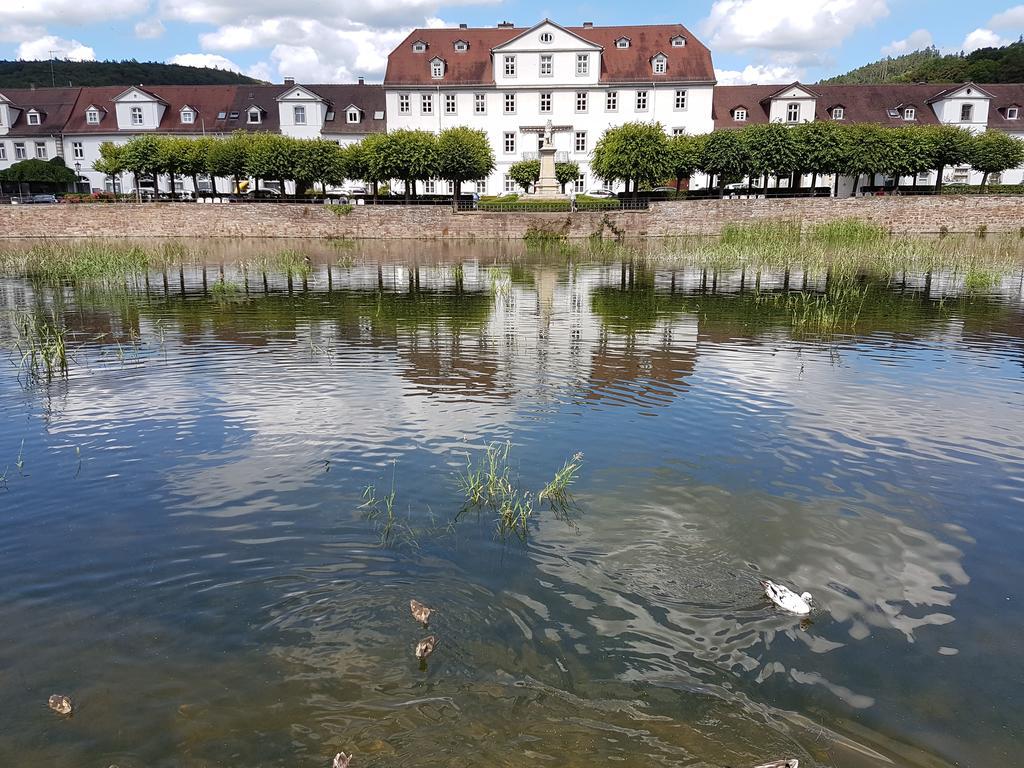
229	157
685	153
111	161
724	156
196	160
172	154
52	172
525	173
948	145
771	150
463	154
316	160
870	147
142	156
363	161
995	152
912	153
408	155
565	173
636	153
822	148
271	156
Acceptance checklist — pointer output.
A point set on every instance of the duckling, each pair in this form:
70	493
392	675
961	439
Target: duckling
420	612
60	704
341	760
791	763
787	599
425	647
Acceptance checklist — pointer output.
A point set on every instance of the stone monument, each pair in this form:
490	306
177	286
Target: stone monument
547	186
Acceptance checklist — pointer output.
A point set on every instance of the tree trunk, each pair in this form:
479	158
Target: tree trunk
938	178
195	185
679	183
408	183
984	180
814	184
455	195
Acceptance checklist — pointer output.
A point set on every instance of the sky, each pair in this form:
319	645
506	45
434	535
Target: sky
752	41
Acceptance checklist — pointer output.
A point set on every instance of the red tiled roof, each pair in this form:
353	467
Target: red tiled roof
689	63
369	98
1003	96
207	100
55	104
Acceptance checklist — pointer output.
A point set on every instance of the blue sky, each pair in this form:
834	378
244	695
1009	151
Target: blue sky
338	40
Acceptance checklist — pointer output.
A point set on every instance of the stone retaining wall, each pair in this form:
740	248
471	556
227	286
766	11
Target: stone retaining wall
917	215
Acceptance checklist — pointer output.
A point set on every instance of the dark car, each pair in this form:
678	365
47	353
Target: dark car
30	199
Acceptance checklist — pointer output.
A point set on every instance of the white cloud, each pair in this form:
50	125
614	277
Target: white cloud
204	60
757	74
982	38
793	26
915	41
41	48
1011	18
15	33
67	12
148	29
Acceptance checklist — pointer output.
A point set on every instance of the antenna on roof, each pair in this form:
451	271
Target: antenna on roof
52	56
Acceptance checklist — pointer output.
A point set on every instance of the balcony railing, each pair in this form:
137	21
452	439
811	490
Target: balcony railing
561	156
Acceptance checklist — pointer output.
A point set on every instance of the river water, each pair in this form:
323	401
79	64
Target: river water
187	554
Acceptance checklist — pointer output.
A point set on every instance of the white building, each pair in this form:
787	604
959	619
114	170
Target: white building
510	81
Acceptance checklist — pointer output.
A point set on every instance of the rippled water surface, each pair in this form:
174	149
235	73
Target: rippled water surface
185	554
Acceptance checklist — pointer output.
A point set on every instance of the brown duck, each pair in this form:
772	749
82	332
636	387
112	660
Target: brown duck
425	647
420	612
791	763
60	704
341	760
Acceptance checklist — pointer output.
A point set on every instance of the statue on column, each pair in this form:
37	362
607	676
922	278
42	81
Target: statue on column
548	134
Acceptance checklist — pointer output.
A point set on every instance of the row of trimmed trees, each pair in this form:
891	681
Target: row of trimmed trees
456	155
641	154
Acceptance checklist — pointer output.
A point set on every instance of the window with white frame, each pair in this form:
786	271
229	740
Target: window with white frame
352	115
404	107
678	41
580	141
611	101
19	150
679	104
547	66
510	143
622	42
92	116
838	113
995	178
480	103
545	103
510	103
510	66
966	113
1013	113
188	116
909	113
447	187
77	150
923	177
659	65
509	185
436	69
793	113
581	101
580	184
961	174
3	151
429	187
419	46
461	46
641	101
41	152
480	186
33	118
739	115
678	131
546	37
426	103
136	115
254	117
449	104
582	64
299	115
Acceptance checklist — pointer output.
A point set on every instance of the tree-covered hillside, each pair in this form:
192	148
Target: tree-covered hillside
985	65
24	74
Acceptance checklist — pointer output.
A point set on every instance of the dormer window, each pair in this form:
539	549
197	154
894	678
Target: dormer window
136	115
419	47
740	114
92	116
546	37
437	68
299	115
188	117
34	118
329	116
254	116
622	42
1013	113
352	115
838	113
966	112
909	113
461	46
893	113
793	113
678	41
659	64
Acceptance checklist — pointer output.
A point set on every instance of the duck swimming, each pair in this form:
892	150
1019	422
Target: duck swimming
60	704
341	760
787	599
425	647
420	612
791	763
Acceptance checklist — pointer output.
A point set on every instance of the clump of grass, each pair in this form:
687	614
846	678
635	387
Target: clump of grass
979	280
848	233
76	262
42	344
535	237
339	210
760	234
556	492
224	292
293	262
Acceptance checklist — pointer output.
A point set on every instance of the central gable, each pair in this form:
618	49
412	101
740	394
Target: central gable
136	94
794	91
299	94
546	36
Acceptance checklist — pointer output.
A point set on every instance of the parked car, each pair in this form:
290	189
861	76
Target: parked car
262	194
357	190
600	193
664	189
30	199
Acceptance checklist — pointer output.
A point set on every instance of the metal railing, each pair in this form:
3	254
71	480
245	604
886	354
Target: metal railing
561	156
554	206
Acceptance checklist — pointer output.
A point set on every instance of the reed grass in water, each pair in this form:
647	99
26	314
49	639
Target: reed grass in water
42	345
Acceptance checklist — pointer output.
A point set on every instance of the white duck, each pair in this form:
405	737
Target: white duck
787	599
791	763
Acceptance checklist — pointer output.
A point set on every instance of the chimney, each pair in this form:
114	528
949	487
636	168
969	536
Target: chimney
463	26
505	25
362	81
289	81
588	25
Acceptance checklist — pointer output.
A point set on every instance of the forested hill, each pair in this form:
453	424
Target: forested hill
24	74
985	65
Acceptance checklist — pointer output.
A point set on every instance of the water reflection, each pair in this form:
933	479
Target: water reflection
213	595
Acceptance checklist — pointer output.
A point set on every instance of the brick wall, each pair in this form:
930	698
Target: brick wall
999	213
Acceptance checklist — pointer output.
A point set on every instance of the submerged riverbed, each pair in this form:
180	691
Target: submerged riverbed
201	546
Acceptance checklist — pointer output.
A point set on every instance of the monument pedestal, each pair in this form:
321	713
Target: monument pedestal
547	186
